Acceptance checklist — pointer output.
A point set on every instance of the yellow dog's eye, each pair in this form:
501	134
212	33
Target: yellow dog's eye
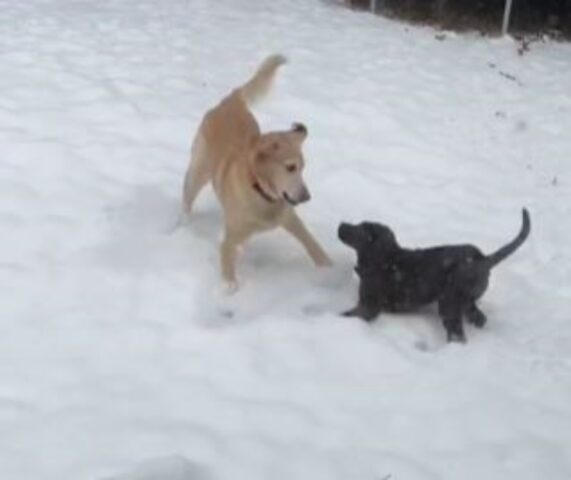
291	168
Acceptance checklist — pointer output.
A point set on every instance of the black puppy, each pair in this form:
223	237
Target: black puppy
395	279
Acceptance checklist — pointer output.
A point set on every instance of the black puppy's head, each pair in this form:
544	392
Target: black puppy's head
365	235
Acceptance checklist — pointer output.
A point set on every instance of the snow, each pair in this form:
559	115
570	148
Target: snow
171	467
119	356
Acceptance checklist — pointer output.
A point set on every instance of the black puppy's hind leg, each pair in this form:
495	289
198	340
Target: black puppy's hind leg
475	316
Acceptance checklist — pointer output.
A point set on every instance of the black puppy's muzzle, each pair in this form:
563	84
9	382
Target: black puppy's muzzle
345	232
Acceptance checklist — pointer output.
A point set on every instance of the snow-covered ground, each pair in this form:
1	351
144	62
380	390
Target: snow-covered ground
116	344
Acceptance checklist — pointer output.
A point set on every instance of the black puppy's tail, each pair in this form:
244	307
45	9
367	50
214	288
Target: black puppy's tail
493	259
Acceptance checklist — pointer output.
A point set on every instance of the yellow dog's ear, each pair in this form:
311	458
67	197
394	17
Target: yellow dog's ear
266	148
299	129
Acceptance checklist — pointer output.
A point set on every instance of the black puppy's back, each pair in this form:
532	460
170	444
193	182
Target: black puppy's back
411	278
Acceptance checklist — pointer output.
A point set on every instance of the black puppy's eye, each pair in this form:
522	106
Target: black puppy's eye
291	168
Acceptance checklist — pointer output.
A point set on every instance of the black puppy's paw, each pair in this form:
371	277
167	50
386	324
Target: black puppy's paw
362	312
456	337
476	317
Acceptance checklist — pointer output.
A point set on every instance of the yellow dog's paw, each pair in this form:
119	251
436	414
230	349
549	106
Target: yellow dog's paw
229	287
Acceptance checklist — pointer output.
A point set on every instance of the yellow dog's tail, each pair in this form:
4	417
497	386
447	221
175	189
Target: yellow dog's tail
259	85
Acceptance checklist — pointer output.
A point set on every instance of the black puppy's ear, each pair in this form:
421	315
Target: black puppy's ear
370	233
388	238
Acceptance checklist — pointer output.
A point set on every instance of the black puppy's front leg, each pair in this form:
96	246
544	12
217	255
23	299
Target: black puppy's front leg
450	310
368	307
366	312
